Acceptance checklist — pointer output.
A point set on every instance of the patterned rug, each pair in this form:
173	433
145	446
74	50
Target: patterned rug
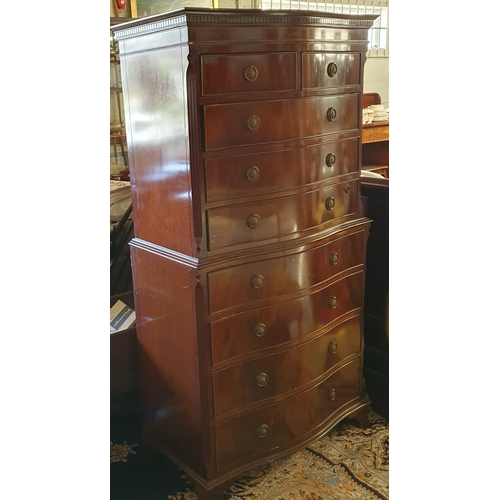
349	463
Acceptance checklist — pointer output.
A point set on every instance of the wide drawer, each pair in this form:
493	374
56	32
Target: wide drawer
328	70
244	175
276	425
264	279
277	374
252	331
276	218
263	122
246	73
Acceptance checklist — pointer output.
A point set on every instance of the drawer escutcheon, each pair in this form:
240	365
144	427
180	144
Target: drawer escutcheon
330	160
331	114
253	173
262	431
330	203
332	347
251	73
333	302
334	258
253	221
258	281
331	394
331	69
253	122
261	379
260	330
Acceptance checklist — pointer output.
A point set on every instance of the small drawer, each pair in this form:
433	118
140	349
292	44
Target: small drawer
278	218
244	175
247	73
328	70
269	428
281	276
252	331
269	376
264	122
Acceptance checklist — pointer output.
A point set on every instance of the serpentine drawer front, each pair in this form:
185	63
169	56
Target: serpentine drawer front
244	132
273	426
290	320
284	372
263	173
277	121
277	218
265	279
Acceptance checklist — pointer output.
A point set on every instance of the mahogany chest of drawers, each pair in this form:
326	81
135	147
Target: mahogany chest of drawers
249	251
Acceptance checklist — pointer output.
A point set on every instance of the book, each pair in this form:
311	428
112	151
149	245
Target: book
121	317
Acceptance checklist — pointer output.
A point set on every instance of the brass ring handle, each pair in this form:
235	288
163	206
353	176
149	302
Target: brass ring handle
331	114
331	394
330	203
253	174
260	330
333	302
331	69
253	122
258	281
261	379
253	221
332	347
334	258
330	160
262	431
251	73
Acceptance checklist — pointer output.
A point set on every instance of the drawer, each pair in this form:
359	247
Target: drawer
328	70
258	329
264	122
279	217
247	73
244	175
281	276
269	376
274	426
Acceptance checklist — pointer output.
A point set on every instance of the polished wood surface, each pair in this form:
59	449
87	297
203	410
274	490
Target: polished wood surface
250	242
262	173
286	323
375	132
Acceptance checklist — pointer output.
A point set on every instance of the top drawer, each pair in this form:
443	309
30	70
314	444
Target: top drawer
244	73
327	70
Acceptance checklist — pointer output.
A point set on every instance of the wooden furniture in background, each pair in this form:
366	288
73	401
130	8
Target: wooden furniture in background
375	201
375	138
249	250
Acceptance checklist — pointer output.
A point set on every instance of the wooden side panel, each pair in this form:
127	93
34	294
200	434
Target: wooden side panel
168	354
158	134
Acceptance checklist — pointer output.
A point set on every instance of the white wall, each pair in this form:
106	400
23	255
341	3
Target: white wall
377	77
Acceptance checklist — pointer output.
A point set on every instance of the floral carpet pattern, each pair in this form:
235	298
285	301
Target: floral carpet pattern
349	463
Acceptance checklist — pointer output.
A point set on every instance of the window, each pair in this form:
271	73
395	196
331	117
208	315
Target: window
378	36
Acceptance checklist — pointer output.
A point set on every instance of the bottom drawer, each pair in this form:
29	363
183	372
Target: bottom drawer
274	426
